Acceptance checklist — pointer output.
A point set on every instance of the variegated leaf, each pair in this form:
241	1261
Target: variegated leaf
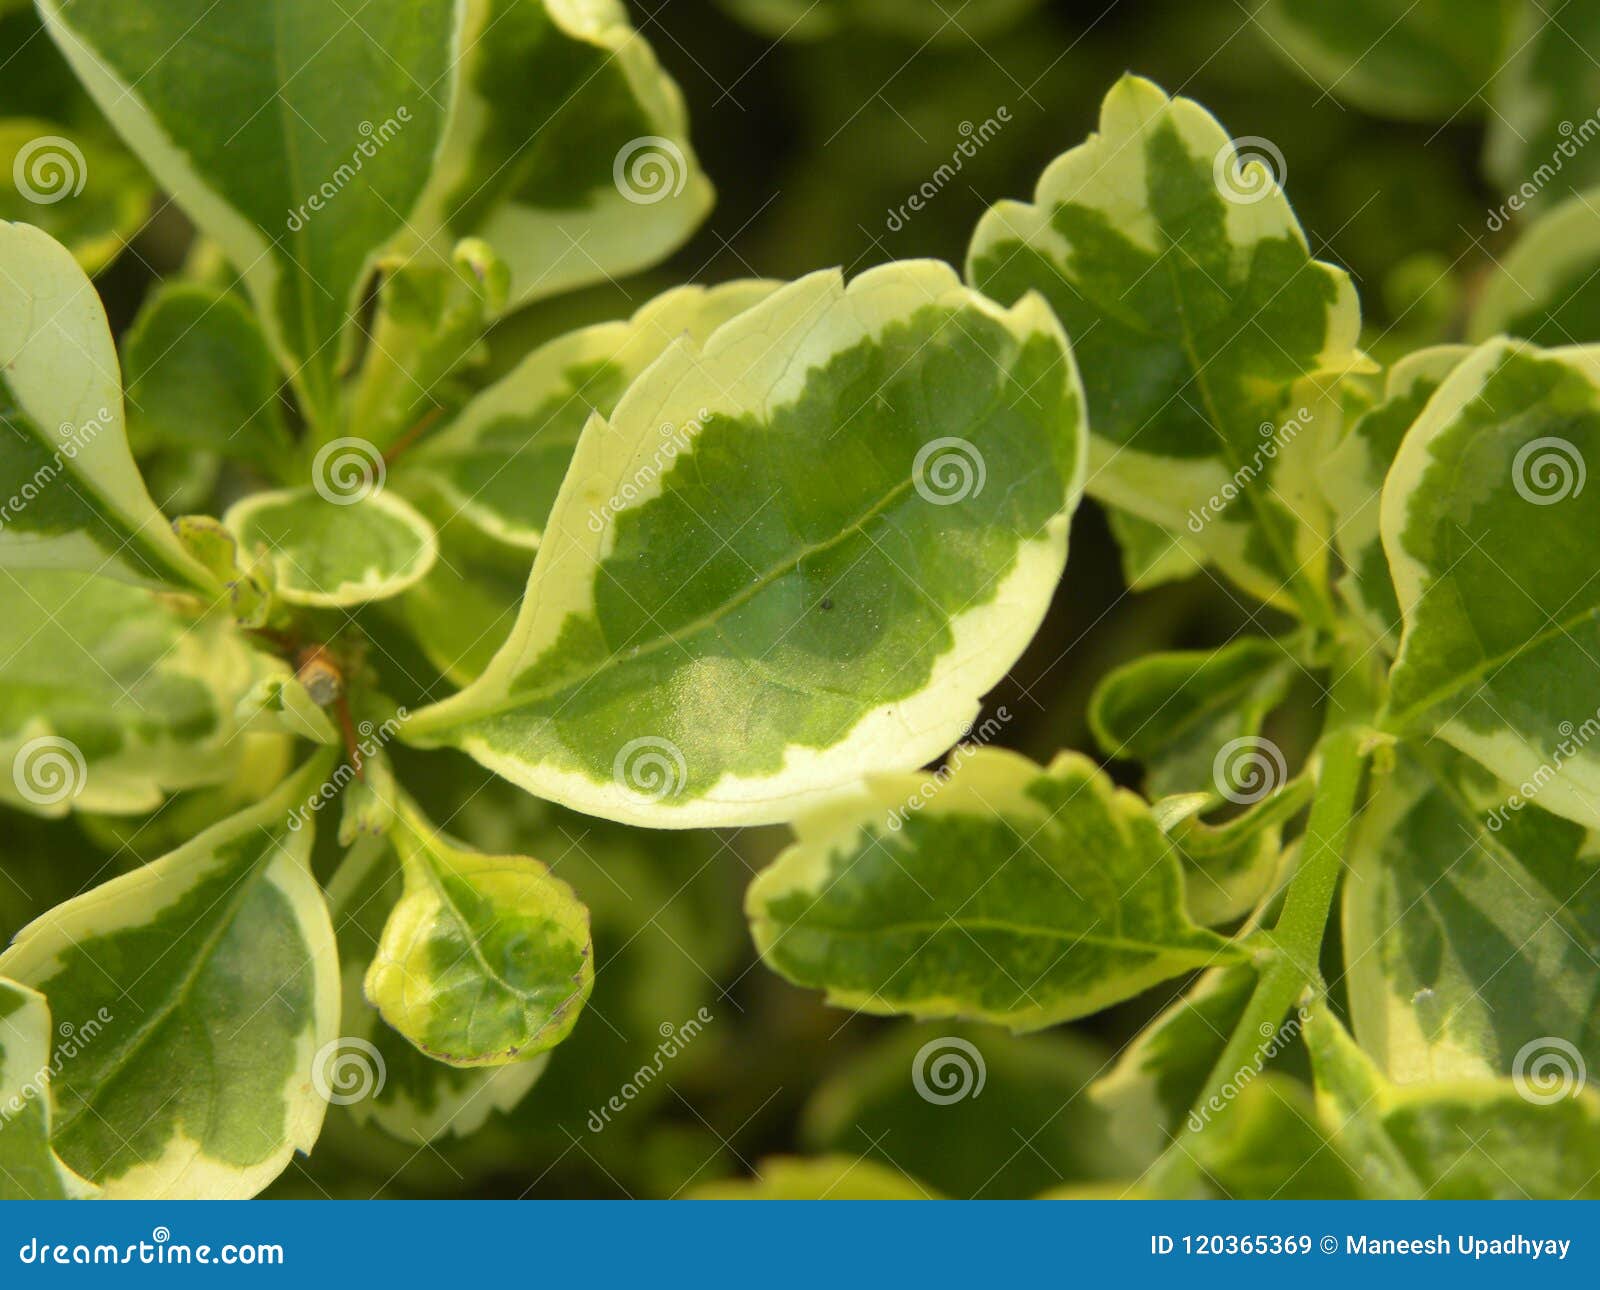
211	977
863	533
1546	288
568	149
1455	1139
486	959
1471	921
296	134
70	494
1174	261
110	697
1004	892
1488	527
29	1168
501	462
1352	481
401	1090
332	553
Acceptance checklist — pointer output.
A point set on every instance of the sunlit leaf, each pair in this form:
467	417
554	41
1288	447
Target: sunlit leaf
70	494
864	531
1008	892
1176	265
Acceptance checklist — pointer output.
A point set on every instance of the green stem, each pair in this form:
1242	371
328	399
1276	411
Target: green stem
1291	961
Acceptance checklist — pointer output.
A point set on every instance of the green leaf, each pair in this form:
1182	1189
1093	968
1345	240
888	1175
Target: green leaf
29	1169
501	462
568	151
1272	1147
1003	892
430	321
1228	868
200	377
1422	60
1456	1139
212	977
387	1081
1151	556
1191	717
1489	530
862	536
1469	927
934	1100
1543	109
462	612
87	194
817	1178
329	550
486	959
295	135
1161	1072
1173	260
912	20
110	698
70	494
1544	288
1352	481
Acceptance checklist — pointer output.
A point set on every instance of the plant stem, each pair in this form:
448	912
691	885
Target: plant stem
1292	961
